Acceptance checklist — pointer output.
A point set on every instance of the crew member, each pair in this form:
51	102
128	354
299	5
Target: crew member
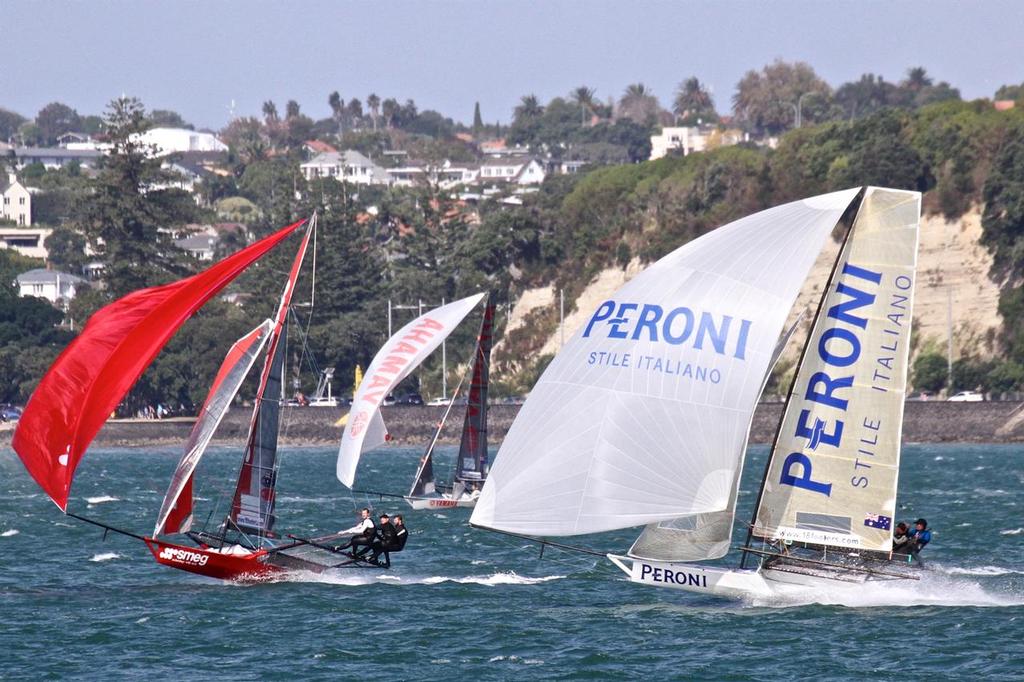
385	538
919	535
900	540
363	534
398	543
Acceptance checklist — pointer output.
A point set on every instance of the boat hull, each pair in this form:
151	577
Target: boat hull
252	565
737	583
442	502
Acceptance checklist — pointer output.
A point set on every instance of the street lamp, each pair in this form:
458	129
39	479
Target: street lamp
799	108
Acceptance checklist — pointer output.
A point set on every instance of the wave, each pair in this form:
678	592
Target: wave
516	659
9	533
977	570
101	499
105	556
1015	531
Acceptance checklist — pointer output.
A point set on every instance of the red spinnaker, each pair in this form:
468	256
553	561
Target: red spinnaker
92	375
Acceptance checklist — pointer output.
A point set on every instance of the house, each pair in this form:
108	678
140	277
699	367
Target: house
409	174
191	168
28	241
516	170
345	166
56	157
15	202
690	139
453	174
201	246
314	147
56	287
170	140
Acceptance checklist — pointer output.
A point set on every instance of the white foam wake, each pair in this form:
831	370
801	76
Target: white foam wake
105	556
101	499
9	533
1015	531
355	577
934	589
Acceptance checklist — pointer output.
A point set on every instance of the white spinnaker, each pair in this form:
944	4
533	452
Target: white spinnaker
233	370
836	483
396	359
606	441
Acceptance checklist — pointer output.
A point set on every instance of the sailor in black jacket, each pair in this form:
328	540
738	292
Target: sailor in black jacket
391	536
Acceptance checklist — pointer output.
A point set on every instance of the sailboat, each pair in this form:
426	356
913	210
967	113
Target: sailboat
471	463
642	420
91	377
396	360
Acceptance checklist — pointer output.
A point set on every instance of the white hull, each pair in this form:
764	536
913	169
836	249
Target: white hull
726	582
441	502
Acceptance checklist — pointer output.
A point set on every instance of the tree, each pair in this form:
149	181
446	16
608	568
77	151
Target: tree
389	108
478	120
270	112
693	103
866	95
584	98
9	123
931	371
529	108
127	222
373	103
640	105
769	100
247	139
1010	92
337	105
66	249
291	109
55	119
168	119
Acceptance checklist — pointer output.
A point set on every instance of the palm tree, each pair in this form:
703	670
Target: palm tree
917	79
692	100
584	97
269	111
337	104
639	104
389	108
529	108
373	102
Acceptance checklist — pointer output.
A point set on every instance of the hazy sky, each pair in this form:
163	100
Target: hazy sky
196	57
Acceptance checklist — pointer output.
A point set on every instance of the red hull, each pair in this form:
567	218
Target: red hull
211	563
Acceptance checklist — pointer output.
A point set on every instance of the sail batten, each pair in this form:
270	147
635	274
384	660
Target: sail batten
94	373
832	474
641	418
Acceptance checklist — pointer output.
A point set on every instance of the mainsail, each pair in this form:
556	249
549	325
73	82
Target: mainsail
86	383
471	464
252	509
642	417
396	359
176	511
832	475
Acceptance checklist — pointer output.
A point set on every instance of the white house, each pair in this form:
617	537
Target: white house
345	166
56	157
28	241
171	140
201	246
15	202
685	139
516	170
55	287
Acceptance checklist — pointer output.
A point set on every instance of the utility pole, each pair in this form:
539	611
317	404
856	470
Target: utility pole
561	316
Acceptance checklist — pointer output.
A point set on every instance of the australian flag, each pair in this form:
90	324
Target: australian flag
878	521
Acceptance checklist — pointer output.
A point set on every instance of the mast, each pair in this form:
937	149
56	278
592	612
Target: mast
796	374
252	509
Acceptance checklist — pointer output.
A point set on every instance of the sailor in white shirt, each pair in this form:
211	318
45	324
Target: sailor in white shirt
362	535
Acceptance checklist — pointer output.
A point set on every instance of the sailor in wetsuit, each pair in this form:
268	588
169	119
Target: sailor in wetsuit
364	532
920	536
386	533
900	540
392	539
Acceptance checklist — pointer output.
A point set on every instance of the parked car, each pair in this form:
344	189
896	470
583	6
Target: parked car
439	402
966	397
10	413
410	399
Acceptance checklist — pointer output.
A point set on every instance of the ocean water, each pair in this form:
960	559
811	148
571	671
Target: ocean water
462	603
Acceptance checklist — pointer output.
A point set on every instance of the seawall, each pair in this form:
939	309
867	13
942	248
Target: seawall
924	422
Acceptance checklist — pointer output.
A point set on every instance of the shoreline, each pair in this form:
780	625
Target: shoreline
924	422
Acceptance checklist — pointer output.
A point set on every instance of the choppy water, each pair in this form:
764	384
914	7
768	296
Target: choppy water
461	602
